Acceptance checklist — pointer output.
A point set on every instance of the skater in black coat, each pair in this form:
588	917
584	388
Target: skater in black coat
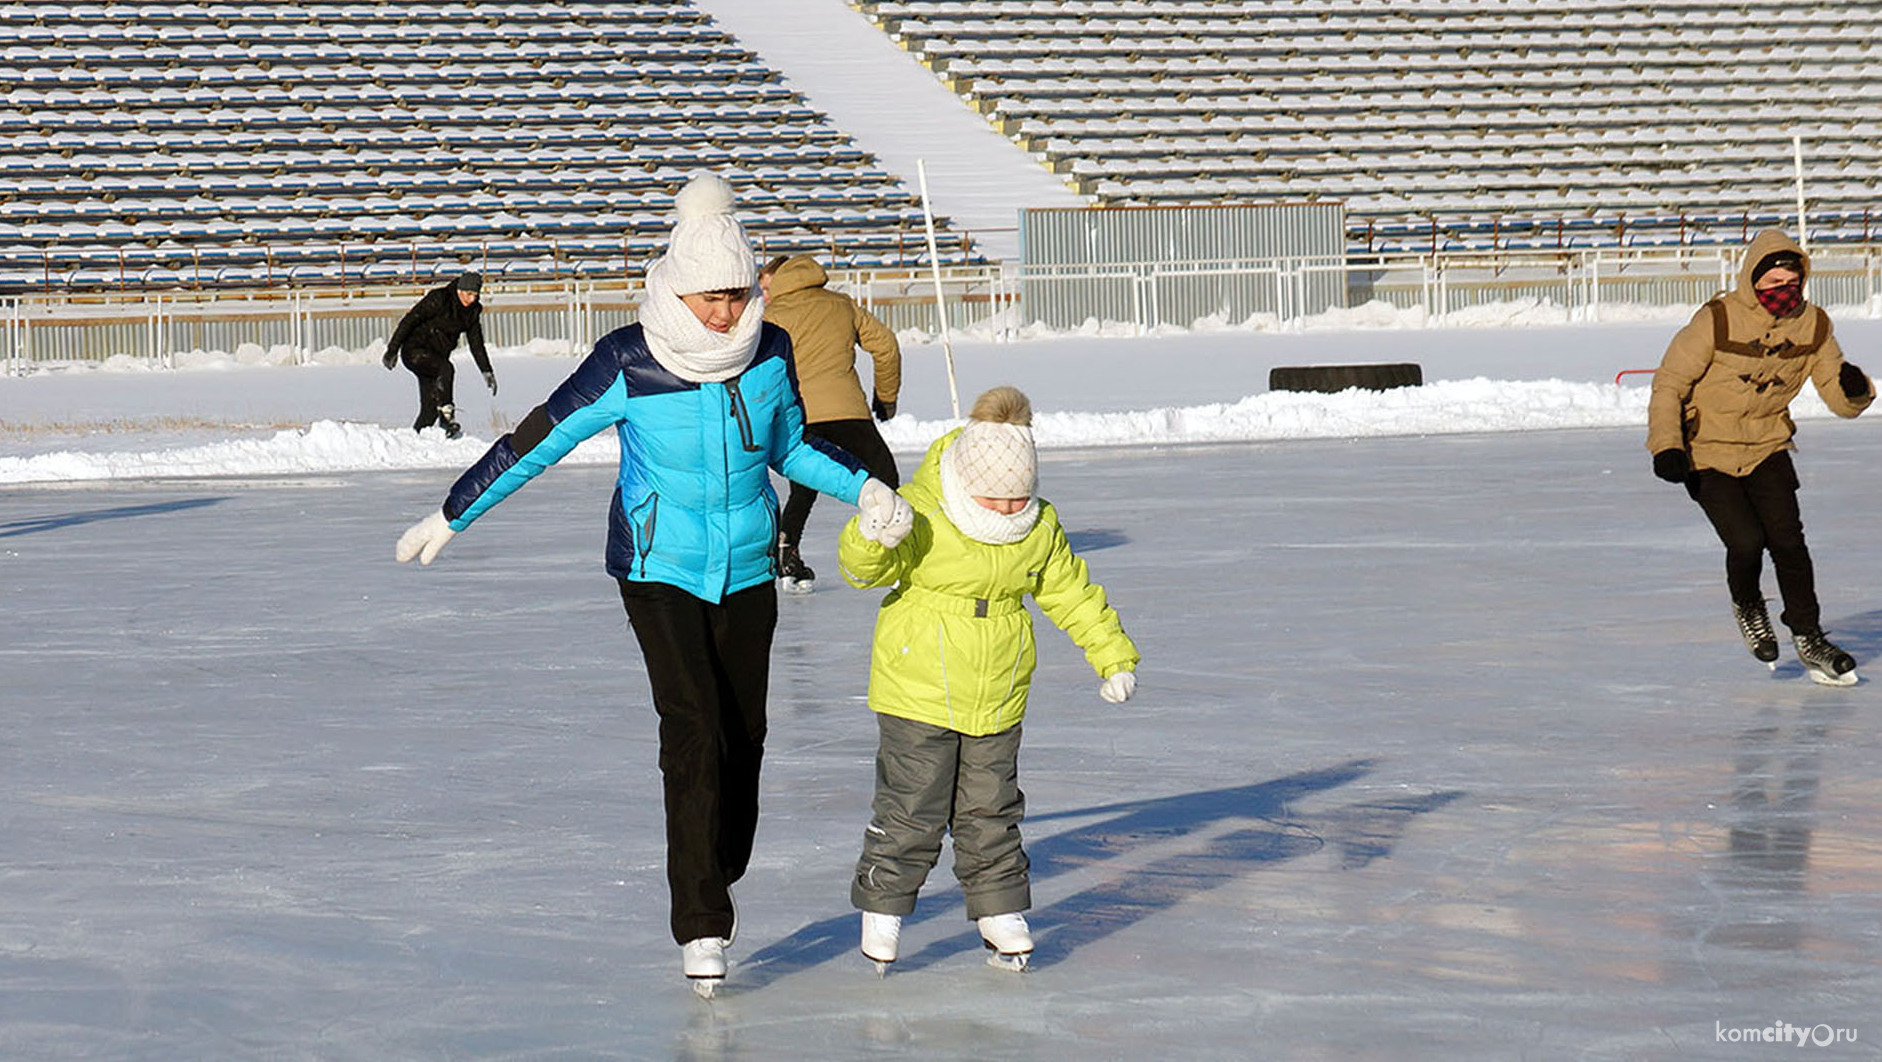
425	338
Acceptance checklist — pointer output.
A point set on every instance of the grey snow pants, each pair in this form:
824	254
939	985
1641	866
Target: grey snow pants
931	780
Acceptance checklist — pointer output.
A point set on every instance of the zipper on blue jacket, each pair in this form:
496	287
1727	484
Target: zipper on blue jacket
740	414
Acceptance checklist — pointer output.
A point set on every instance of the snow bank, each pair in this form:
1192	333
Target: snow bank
1445	408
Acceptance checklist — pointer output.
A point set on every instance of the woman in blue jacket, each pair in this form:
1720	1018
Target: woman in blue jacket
703	397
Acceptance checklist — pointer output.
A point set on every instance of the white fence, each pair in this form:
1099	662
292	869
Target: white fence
995	301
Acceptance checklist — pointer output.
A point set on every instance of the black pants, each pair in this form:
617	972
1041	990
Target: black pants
1755	513
436	380
862	441
709	666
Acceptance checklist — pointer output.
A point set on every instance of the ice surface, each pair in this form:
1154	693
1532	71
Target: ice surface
1444	748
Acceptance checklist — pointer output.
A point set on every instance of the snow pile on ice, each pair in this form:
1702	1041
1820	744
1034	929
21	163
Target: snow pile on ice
1444	408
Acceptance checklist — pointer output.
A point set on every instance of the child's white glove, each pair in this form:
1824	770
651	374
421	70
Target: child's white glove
424	539
883	516
1118	688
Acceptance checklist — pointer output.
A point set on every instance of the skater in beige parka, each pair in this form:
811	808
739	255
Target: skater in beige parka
1719	423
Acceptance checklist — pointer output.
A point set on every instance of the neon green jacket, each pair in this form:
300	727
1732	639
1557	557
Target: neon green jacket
954	641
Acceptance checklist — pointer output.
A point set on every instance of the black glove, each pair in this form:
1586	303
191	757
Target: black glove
491	379
391	359
882	410
1855	384
1672	465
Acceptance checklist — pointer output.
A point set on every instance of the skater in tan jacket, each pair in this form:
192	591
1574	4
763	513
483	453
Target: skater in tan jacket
826	327
1719	423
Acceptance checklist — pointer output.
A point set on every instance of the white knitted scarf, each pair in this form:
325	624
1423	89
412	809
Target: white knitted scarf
681	343
975	520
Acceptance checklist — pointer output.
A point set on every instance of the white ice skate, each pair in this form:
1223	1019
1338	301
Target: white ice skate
1007	936
703	961
882	939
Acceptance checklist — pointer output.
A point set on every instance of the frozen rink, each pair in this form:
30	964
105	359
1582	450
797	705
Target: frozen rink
1445	748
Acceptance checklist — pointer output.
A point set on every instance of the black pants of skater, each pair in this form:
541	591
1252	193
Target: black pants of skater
861	440
436	380
1755	514
709	666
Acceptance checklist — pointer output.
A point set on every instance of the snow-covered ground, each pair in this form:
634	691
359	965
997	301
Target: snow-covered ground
895	109
224	415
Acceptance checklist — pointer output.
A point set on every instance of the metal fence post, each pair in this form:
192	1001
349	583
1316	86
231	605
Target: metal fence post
1594	289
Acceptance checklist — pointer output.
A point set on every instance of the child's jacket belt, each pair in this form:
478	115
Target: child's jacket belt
959	605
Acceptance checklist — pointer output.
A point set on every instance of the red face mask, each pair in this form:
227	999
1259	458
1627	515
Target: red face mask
1783	300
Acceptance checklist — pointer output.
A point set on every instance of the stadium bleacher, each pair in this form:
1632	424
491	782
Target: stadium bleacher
1626	115
334	140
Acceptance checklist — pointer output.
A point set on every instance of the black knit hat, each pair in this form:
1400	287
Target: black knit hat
1790	260
469	282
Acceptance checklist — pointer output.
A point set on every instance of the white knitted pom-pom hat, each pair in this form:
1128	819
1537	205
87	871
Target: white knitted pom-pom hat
707	250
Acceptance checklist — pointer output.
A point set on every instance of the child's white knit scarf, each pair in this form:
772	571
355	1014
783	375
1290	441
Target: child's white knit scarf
681	343
975	520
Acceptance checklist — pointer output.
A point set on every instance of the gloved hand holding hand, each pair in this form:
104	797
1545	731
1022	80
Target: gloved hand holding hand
391	359
1855	384
1672	465
491	379
424	539
883	516
1118	688
883	410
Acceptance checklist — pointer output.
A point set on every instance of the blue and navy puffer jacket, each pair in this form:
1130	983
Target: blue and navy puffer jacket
693	504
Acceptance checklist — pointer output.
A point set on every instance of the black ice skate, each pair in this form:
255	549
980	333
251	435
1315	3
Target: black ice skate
794	576
1823	660
1754	625
447	416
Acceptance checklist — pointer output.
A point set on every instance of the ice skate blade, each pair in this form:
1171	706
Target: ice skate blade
705	987
799	587
1011	962
882	967
1824	678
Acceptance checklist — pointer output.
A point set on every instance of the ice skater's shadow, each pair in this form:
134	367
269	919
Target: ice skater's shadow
1238	829
1096	538
1859	635
37	524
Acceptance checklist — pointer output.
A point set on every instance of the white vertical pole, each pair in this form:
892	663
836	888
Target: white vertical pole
1594	287
940	306
1803	228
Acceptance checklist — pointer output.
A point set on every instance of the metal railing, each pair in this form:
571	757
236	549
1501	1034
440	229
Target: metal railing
297	325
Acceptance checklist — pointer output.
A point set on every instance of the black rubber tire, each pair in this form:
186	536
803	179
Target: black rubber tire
1328	379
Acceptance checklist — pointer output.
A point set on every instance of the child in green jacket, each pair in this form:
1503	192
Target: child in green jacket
952	660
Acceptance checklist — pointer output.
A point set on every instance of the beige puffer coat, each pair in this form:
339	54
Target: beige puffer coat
1723	391
826	327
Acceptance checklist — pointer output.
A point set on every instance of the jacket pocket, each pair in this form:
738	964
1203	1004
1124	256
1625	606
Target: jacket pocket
643	519
747	438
